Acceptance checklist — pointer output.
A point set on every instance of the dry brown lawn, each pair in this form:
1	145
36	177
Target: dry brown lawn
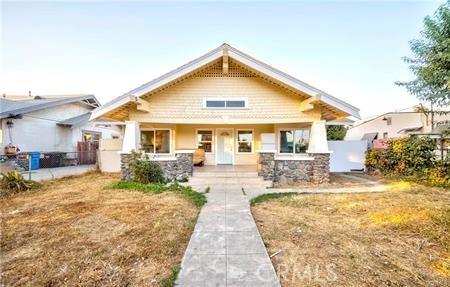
397	238
336	180
76	232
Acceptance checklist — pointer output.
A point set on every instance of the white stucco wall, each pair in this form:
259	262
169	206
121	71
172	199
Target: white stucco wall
109	155
398	121
38	131
347	155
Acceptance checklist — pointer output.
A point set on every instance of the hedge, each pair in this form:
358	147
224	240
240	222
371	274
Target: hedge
412	158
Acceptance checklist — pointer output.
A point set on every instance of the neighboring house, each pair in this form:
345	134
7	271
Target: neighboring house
396	124
50	123
238	109
378	130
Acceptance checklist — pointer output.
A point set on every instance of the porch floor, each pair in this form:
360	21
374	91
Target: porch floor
226	168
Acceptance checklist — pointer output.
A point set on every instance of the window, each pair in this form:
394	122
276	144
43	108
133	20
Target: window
204	140
224	103
385	135
91	136
293	141
155	141
245	141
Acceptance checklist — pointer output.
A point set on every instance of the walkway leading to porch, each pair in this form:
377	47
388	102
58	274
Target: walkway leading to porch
226	248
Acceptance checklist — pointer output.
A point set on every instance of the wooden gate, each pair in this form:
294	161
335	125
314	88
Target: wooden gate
87	152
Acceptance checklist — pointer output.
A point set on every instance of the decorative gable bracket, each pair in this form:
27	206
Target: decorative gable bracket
308	104
141	104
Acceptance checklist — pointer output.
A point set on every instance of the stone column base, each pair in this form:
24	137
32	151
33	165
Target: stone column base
267	164
125	166
321	168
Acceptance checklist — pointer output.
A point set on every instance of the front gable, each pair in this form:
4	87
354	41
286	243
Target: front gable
178	97
183	102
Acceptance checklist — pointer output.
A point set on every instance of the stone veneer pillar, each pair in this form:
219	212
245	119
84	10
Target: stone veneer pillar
177	168
125	166
267	163
186	162
321	168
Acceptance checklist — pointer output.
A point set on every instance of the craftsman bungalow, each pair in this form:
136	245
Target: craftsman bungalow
236	108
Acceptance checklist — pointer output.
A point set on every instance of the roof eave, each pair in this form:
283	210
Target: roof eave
40	106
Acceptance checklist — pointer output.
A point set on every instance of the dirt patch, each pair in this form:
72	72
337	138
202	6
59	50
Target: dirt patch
396	238
75	232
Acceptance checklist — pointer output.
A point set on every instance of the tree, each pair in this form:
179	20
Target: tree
431	61
336	133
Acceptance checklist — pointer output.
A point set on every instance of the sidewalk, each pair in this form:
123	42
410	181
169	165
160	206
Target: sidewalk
58	172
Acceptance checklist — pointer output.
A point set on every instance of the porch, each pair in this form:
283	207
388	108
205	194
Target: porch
279	152
233	144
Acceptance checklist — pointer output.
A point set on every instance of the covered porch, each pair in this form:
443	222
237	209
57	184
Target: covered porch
237	144
287	152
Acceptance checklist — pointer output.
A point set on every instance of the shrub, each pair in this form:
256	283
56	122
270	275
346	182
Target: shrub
12	182
145	171
439	175
336	133
412	157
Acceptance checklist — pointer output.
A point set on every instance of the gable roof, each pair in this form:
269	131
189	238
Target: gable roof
12	108
241	57
76	121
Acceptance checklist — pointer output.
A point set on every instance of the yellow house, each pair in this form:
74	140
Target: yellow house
231	105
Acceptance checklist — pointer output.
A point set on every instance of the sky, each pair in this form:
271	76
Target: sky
351	49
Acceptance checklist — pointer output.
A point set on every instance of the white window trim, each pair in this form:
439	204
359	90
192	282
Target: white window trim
212	139
205	99
170	139
279	140
252	142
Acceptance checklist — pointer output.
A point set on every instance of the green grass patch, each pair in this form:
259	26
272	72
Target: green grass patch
199	199
170	280
270	196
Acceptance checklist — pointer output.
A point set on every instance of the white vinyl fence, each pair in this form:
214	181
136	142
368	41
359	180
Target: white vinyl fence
347	155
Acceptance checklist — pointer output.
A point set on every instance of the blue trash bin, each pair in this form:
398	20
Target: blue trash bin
34	158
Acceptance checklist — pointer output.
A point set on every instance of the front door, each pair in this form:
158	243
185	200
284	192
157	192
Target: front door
224	146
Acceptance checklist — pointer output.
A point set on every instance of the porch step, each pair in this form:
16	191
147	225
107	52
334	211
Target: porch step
226	180
201	187
226	174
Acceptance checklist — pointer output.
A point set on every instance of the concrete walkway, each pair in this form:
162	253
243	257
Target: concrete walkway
226	248
58	172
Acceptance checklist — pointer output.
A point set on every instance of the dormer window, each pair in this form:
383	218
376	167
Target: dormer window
225	103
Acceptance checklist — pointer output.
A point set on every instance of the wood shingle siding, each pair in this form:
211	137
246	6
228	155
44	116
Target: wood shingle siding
183	102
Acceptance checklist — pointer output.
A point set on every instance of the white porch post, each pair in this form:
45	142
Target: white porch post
318	138
132	137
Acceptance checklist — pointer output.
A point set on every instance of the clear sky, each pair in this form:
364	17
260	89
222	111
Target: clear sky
351	50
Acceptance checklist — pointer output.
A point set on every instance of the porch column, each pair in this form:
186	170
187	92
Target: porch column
132	137
318	148
318	138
